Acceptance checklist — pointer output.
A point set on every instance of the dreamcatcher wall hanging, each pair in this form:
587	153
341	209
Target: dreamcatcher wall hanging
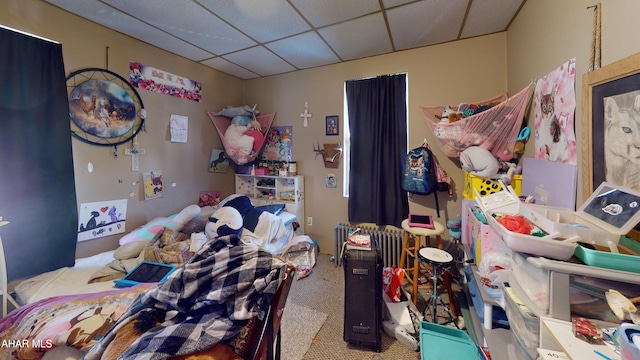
104	108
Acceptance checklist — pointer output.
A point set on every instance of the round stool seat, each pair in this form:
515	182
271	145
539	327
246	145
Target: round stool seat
438	229
435	256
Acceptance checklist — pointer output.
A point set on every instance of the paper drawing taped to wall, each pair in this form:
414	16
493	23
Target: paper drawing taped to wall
152	182
102	218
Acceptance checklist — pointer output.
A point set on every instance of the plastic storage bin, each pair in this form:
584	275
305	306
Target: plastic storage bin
609	260
534	281
525	326
439	342
608	213
552	245
487	186
498	315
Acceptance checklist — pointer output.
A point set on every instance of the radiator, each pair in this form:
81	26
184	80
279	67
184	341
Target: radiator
389	241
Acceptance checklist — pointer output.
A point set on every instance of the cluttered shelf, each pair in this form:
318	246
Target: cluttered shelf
565	273
496	339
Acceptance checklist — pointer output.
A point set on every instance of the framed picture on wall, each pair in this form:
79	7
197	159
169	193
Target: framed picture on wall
610	108
332	124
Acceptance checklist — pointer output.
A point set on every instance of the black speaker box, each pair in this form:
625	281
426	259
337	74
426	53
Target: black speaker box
363	298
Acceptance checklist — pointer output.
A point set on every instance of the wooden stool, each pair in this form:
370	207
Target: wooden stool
410	247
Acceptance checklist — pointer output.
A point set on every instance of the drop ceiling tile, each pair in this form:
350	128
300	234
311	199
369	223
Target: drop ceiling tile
489	16
260	60
262	20
393	3
123	23
433	22
304	51
188	21
223	65
328	12
358	38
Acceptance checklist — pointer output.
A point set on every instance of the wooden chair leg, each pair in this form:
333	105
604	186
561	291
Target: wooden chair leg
416	271
403	254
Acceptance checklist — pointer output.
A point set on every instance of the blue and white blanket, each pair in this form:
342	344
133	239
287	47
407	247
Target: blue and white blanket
208	301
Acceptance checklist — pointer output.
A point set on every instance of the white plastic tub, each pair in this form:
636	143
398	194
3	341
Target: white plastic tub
609	212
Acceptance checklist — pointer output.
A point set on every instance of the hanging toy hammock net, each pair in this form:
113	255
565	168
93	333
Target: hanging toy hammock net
236	155
495	129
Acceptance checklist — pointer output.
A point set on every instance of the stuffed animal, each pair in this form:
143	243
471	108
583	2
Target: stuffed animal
233	111
235	134
449	115
479	161
224	221
508	170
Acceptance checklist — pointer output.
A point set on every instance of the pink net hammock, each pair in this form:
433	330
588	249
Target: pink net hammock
238	156
495	129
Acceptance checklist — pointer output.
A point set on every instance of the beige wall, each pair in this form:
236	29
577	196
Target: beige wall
546	34
84	45
469	70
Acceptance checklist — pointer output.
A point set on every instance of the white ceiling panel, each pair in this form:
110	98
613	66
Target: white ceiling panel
439	21
260	60
254	38
327	12
393	3
358	38
191	23
304	51
229	68
118	21
262	20
489	16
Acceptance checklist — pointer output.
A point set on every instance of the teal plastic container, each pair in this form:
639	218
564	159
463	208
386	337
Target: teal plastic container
609	260
439	342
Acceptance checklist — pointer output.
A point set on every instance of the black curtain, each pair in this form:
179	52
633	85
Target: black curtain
37	188
377	110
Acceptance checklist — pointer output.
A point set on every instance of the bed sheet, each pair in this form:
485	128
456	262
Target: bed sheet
65	281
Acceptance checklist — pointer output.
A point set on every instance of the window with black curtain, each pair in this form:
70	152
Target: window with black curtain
377	110
37	186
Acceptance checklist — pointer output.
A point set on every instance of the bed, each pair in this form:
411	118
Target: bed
79	310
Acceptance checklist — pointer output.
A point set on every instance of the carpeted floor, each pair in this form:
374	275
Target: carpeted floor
300	325
323	291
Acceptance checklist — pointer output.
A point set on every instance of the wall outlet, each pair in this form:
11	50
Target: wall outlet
309	221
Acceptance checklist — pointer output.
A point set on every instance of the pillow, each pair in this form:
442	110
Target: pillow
187	214
275	209
153	227
129	250
149	230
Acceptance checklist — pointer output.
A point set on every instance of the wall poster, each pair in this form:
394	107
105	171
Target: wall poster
156	80
554	108
278	145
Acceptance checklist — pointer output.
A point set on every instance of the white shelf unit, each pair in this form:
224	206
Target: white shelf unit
555	332
265	190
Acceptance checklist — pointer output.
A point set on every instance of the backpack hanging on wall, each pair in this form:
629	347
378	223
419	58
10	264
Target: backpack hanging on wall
421	174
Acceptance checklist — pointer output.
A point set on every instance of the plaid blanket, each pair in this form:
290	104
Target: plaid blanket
208	301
